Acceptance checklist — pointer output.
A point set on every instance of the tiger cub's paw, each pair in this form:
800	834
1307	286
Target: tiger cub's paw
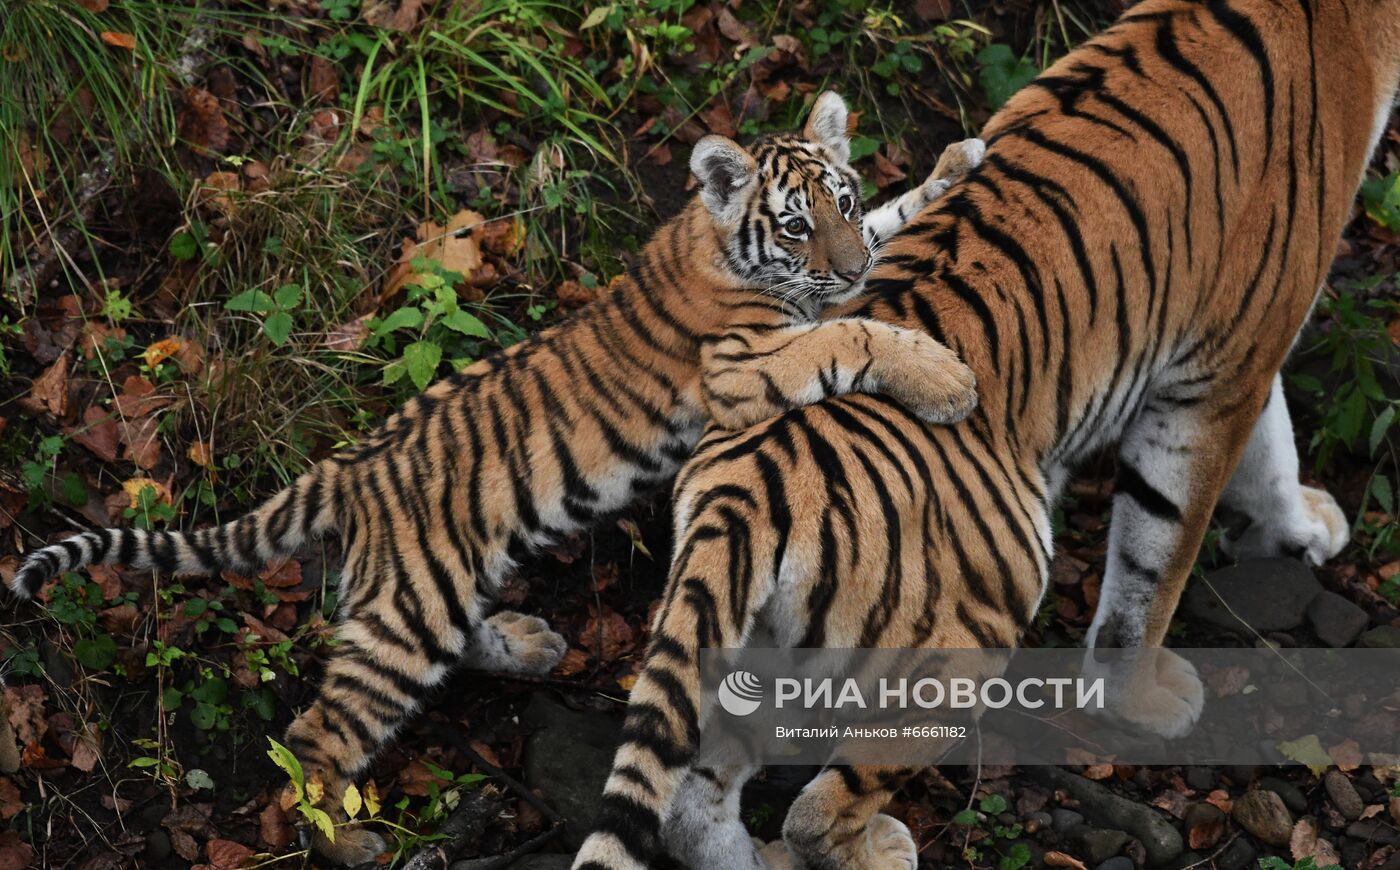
957	160
926	377
515	643
352	847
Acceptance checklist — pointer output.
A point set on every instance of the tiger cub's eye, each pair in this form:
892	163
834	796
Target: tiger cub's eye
846	202
795	226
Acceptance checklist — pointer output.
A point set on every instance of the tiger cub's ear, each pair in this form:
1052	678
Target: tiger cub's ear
827	125
723	169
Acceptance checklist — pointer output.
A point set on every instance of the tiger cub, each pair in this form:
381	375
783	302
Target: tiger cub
543	438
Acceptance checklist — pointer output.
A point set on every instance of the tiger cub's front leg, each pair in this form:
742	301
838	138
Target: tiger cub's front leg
749	375
956	161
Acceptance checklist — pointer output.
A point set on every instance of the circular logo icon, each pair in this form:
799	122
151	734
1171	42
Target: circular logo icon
741	693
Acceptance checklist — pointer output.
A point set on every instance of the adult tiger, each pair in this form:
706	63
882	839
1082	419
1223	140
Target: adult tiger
544	438
1130	264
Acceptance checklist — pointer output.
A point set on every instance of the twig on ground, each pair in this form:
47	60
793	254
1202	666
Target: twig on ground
467	822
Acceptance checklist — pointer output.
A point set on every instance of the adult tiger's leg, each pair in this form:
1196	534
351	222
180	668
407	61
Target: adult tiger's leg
1280	516
704	828
1173	463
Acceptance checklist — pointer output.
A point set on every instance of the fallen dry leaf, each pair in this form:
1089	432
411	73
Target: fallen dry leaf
227	855
120	40
87	750
139	398
50	389
349	336
11	804
201	454
416	777
1305	843
322	80
572	294
574	662
1346	755
1099	771
885	171
135	485
202	123
274	830
15	854
12	501
142	440
454	247
381	13
1060	859
107	580
607	634
98	433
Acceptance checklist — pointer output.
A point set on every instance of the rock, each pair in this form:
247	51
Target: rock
1392	863
1374	831
1267	594
1292	795
1118	863
1039	822
1380	637
1237	856
1192	860
1263	814
529	862
1343	795
568	756
1336	620
1100	844
157	849
1062	820
1204	825
1159	836
1200	778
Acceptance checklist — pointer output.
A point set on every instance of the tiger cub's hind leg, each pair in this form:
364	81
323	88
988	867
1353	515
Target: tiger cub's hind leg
375	679
1279	516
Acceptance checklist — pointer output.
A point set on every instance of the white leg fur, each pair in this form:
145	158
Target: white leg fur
1284	517
704	828
1155	478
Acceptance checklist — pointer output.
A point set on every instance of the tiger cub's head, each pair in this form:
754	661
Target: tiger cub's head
788	208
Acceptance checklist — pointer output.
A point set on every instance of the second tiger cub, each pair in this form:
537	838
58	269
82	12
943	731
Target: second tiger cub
543	438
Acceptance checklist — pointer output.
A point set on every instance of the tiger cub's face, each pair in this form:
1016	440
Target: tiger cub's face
789	207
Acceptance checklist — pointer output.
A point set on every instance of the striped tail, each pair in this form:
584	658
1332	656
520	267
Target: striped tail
662	730
278	528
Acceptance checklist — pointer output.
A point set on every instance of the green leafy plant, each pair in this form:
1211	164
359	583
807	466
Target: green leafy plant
278	308
1272	862
436	323
1001	73
1381	198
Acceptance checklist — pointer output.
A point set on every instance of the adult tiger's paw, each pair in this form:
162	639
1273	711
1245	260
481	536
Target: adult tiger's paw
1315	531
928	378
519	644
1153	689
892	847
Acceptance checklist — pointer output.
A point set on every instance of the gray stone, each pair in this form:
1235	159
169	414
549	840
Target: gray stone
1264	594
1292	795
1100	844
1159	836
1200	778
529	862
1263	814
1062	820
1380	637
1039	822
1343	795
1118	863
1374	831
568	756
157	847
1336	620
1237	856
